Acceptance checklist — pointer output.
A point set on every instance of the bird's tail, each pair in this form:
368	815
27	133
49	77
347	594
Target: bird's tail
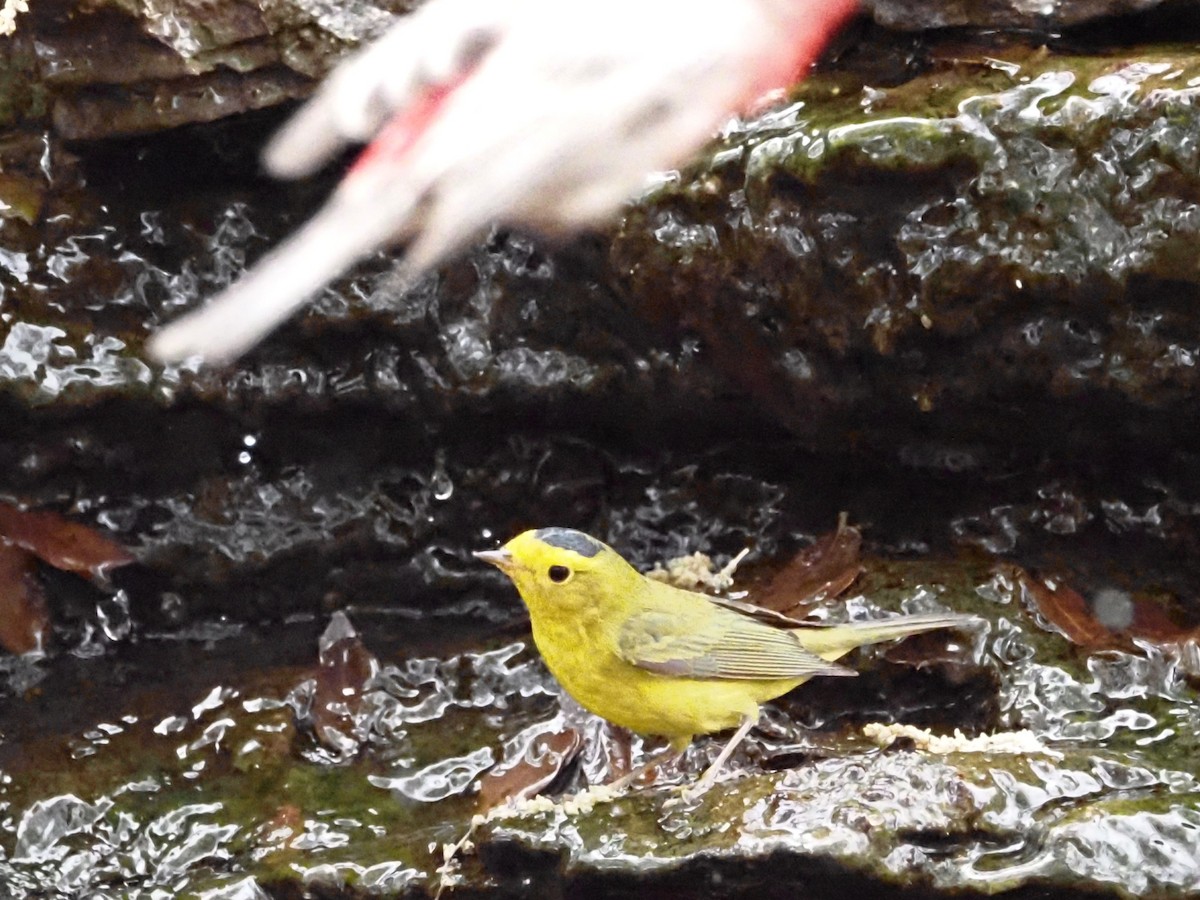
833	641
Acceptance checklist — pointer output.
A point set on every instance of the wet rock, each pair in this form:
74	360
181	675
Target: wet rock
101	69
960	275
362	453
915	15
24	620
108	67
1026	257
991	242
199	790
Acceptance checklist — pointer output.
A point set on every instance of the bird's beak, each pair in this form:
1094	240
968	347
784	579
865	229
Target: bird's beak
501	559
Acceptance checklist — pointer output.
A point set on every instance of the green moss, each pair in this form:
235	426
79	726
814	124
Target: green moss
239	775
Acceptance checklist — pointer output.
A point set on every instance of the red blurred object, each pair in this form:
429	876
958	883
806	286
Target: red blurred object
538	113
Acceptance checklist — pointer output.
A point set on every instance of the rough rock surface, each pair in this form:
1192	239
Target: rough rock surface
98	69
102	68
1004	236
1037	15
949	286
347	778
960	263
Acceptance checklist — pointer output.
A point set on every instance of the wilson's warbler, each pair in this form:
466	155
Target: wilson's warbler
659	660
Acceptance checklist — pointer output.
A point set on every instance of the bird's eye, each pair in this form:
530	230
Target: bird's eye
559	574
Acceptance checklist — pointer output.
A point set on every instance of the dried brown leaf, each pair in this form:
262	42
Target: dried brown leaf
614	753
1158	617
288	816
22	197
824	570
24	618
944	649
346	667
1111	615
61	543
543	756
1154	622
1068	611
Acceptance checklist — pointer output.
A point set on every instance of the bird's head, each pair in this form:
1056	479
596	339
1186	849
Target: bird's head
556	568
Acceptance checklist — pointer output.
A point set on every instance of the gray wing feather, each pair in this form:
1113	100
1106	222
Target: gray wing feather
741	648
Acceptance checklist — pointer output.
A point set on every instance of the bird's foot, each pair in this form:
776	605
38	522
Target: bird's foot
650	767
685	796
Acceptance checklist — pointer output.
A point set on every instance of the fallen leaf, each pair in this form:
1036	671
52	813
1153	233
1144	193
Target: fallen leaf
1110	616
24	618
61	543
539	754
346	666
288	817
21	197
1158	617
1152	620
614	753
1067	610
824	570
944	649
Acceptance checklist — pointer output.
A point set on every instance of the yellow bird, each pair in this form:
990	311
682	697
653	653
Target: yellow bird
659	660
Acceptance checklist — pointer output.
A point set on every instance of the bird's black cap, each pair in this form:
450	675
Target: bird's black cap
569	539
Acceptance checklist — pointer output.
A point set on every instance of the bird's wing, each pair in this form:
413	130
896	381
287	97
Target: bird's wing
542	113
423	53
724	646
479	110
238	318
761	613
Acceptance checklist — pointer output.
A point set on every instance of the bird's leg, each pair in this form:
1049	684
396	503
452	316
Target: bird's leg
667	754
710	774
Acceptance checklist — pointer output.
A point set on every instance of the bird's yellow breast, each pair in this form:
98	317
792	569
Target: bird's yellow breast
582	654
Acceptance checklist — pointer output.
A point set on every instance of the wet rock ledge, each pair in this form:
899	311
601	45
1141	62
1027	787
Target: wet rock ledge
948	285
348	778
949	239
964	255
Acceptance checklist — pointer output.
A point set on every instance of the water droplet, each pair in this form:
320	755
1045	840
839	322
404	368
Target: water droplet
440	482
112	613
